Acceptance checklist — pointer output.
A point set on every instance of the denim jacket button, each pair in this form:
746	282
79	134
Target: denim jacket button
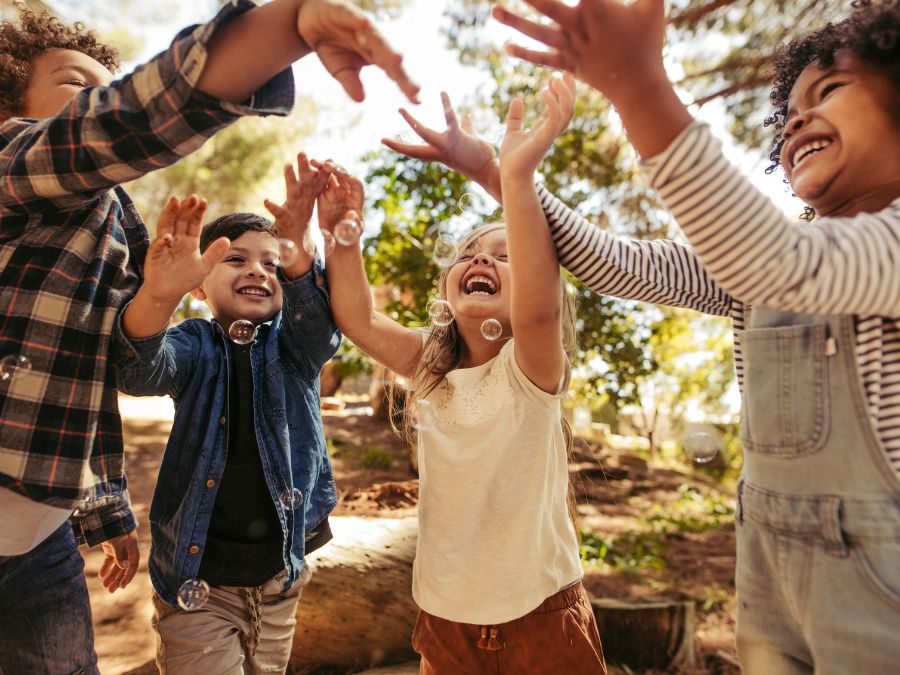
222	421
320	280
210	483
130	353
194	550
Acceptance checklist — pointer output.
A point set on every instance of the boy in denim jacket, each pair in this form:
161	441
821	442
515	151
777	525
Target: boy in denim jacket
245	485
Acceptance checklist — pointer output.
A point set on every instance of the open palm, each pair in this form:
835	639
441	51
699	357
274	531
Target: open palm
342	197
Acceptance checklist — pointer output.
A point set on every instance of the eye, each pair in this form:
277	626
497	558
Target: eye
235	259
77	83
830	87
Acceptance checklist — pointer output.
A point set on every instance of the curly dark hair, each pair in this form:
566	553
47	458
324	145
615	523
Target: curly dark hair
22	40
871	33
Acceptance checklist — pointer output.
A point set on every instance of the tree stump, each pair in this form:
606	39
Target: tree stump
357	609
646	635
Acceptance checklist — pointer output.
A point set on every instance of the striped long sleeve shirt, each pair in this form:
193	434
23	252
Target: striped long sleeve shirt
743	251
71	250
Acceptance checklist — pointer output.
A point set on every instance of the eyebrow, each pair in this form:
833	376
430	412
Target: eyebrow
815	83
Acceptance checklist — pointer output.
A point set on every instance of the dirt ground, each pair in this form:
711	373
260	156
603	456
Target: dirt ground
375	477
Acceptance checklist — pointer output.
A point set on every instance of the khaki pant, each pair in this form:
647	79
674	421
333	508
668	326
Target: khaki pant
560	636
237	631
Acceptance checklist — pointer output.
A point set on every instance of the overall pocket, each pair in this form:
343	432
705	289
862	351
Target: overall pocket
785	409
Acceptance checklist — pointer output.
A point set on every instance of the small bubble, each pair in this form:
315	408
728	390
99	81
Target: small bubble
287	252
347	232
327	241
309	243
491	329
291	499
242	332
13	363
466	202
701	447
207	650
193	594
444	253
440	311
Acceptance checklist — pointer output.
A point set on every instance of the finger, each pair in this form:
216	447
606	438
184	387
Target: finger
278	212
555	10
182	218
196	218
303	165
547	34
344	68
160	244
424	152
167	217
131	568
215	252
108	564
550	59
449	112
514	115
291	183
430	136
382	55
467	124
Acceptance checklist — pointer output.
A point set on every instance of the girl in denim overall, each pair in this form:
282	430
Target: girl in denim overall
497	573
815	307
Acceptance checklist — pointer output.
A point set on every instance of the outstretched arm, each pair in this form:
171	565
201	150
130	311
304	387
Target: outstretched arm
617	49
457	147
382	338
344	39
536	305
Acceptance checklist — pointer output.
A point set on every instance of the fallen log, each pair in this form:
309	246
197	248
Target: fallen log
357	609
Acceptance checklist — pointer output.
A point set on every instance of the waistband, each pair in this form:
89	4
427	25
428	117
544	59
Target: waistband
830	519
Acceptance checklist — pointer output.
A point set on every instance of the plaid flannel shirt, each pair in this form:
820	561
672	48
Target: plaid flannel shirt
71	250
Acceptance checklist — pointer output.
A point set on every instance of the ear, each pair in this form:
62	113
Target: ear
198	293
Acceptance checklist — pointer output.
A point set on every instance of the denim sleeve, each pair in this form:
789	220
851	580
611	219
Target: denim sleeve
309	336
108	135
154	366
104	519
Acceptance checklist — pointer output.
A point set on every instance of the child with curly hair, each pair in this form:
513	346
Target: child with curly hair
71	251
815	306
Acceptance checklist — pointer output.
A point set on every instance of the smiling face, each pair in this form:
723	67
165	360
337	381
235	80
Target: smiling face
478	284
243	284
841	149
56	76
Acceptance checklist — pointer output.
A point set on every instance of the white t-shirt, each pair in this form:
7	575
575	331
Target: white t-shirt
24	524
495	538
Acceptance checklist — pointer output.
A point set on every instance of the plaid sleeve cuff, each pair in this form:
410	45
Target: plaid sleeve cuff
276	97
112	518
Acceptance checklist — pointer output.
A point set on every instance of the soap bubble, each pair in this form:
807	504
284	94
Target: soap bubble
309	244
440	311
347	232
193	594
701	446
466	202
13	363
491	329
287	252
444	253
242	332
291	499
327	241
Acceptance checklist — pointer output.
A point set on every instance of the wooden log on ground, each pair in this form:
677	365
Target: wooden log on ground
646	635
357	609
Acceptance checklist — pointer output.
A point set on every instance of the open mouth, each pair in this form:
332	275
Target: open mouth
478	284
255	291
809	149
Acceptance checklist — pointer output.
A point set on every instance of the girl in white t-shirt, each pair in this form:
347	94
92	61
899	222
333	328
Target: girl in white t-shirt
497	573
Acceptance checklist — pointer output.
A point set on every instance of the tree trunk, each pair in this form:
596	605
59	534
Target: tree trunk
646	635
357	609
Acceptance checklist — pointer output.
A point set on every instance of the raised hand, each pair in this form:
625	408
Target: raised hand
174	264
457	147
346	41
613	46
522	149
292	218
341	199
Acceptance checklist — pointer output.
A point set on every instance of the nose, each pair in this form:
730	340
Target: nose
255	269
482	259
794	125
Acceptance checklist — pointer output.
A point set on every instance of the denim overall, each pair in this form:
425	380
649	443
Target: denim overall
818	523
